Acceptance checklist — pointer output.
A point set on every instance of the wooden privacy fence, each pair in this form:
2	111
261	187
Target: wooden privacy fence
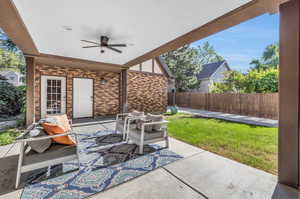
257	104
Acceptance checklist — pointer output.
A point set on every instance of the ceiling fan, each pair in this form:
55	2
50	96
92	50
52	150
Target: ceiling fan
104	44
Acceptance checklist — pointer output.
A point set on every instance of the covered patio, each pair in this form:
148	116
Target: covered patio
200	174
49	34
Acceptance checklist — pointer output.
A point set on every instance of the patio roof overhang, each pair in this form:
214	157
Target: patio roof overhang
54	60
39	27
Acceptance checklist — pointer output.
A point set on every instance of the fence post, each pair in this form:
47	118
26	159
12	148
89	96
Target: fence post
240	102
208	101
259	102
190	99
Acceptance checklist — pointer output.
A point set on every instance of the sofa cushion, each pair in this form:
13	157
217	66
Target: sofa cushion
147	128
136	114
48	120
155	118
40	145
54	129
136	134
61	120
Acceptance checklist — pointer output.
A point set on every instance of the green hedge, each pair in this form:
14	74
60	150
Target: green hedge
12	99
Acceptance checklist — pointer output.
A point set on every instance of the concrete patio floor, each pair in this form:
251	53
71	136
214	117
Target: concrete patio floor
200	174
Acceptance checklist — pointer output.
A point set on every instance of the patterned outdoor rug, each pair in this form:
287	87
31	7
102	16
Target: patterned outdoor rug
101	168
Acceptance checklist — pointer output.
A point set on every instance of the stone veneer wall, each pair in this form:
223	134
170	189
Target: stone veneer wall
106	97
147	92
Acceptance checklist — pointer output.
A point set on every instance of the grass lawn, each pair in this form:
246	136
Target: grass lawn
8	136
252	145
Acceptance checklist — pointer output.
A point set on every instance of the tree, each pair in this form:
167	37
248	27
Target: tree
269	59
271	55
207	54
11	99
185	64
21	65
7	43
10	56
262	78
255	81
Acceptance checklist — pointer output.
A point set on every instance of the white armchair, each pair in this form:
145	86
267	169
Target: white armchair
123	120
142	137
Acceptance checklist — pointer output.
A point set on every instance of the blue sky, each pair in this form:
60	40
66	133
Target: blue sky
244	42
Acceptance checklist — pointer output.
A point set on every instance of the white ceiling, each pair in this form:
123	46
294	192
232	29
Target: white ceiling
147	24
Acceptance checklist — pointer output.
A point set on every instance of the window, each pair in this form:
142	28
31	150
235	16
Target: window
54	96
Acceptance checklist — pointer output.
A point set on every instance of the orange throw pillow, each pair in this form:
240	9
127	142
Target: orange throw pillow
62	120
54	129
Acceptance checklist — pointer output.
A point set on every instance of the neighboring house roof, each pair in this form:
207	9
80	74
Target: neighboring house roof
209	69
164	67
2	77
7	72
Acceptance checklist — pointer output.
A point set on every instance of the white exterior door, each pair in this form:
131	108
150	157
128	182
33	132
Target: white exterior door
82	97
53	95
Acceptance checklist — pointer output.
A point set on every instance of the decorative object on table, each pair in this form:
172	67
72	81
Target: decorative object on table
100	170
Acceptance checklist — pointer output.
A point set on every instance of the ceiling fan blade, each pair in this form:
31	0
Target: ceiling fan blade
114	49
90	46
117	45
90	42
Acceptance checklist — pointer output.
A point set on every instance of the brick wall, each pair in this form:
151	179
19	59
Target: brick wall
106	97
147	92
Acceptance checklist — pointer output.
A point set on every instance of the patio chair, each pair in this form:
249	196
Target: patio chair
56	154
148	133
123	119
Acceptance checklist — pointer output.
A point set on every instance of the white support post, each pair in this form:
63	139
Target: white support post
141	148
19	169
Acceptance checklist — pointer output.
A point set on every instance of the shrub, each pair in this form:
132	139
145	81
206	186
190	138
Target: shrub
22	98
8	136
11	99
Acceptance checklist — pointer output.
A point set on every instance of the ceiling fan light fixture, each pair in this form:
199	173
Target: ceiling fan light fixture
103	44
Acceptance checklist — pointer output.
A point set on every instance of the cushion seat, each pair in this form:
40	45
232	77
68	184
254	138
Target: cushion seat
54	152
120	125
136	134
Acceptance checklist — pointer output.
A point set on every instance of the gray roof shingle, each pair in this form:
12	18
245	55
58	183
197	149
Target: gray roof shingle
209	69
